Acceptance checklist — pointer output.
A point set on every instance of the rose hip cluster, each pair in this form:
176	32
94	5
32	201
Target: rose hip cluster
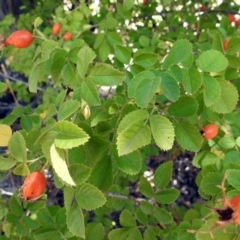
24	38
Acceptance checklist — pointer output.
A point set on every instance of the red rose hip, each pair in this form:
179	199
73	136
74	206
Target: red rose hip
56	28
67	36
33	186
210	131
19	39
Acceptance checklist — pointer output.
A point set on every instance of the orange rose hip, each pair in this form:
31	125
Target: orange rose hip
33	186
19	39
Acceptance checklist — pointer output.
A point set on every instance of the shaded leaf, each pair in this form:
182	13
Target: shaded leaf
163	174
101	174
185	106
75	221
188	136
130	163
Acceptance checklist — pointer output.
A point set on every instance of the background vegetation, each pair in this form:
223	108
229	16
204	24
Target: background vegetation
138	79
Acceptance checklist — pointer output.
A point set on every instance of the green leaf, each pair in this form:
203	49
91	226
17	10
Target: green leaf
188	136
144	41
60	166
146	60
146	207
104	128
191	80
97	232
185	106
233	61
163	174
68	193
37	22
141	216
119	233
89	197
227	142
46	233
136	80
5	135
79	173
70	135
89	93
228	98
233	178
130	163
104	50
113	38
145	187
167	196
21	169
75	221
85	57
128	5
105	75
60	98
123	54
180	51
212	61
68	108
162	215
135	234
15	206
149	234
58	62
204	158
133	138
211	91
145	91
101	175
69	75
101	116
233	45
3	87
127	219
47	47
36	75
211	182
169	87
17	147
203	232
217	40
95	149
177	72
162	131
7	163
188	62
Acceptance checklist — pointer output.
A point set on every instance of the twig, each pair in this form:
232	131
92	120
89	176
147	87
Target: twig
3	192
9	84
18	80
135	199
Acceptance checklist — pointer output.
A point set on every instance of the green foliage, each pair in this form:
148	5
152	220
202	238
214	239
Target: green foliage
137	79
